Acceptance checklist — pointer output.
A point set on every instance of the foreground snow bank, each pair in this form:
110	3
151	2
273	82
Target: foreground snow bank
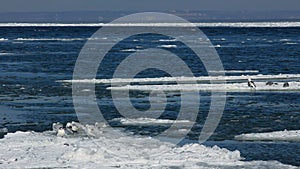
107	150
292	135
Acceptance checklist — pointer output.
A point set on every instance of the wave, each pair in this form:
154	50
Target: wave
291	43
286	135
6	54
3	39
114	149
214	24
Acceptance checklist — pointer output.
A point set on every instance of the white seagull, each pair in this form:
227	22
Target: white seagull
61	132
56	126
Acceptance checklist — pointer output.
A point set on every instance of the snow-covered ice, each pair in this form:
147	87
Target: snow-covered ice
286	135
229	87
168	46
111	150
149	121
187	79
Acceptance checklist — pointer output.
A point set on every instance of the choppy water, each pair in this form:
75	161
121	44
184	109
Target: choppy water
33	59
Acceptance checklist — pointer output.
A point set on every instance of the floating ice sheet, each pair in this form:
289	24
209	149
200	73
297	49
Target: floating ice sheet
46	150
229	87
292	135
149	121
187	79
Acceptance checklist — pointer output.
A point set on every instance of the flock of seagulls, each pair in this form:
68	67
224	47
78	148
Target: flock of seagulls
70	128
251	83
75	128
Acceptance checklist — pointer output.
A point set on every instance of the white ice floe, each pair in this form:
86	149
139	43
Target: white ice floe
210	24
111	150
186	79
167	40
50	39
129	50
149	121
286	135
168	46
229	87
235	71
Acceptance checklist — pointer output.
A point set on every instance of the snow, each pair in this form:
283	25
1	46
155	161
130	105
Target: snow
110	150
286	135
213	24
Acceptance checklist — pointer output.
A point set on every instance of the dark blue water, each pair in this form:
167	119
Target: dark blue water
33	59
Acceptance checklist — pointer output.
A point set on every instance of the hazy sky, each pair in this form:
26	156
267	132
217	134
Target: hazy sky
145	5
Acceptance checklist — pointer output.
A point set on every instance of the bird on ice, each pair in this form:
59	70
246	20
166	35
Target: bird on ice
251	83
61	132
56	126
73	126
269	83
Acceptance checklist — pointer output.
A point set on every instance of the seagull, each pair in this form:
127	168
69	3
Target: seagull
69	128
56	126
286	84
61	132
269	83
251	83
76	126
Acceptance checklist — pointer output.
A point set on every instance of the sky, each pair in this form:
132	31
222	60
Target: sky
146	5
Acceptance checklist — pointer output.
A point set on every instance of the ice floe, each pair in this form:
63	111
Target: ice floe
229	87
108	150
187	79
149	121
286	135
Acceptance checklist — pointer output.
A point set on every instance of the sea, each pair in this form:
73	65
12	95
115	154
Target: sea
36	59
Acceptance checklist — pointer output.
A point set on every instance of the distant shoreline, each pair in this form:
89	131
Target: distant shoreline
108	16
198	24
